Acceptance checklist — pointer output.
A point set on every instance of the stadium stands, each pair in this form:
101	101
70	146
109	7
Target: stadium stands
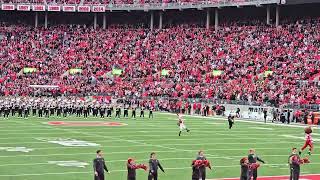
258	63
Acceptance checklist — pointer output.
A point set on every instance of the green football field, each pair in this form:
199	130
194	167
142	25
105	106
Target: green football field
30	149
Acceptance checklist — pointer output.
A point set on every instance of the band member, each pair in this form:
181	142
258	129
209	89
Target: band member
78	110
46	111
109	111
308	141
125	111
99	166
95	111
154	164
65	111
151	113
59	110
133	115
265	113
6	111
118	112
230	121
52	108
20	111
102	111
85	111
40	110
253	158
26	111
181	124
34	110
132	167
142	112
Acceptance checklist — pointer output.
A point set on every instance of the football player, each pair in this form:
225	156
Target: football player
308	141
181	124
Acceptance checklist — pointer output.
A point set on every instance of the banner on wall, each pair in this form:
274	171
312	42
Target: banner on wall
69	8
84	8
38	8
7	7
23	7
54	8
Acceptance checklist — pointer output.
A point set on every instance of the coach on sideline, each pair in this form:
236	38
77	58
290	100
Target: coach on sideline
99	166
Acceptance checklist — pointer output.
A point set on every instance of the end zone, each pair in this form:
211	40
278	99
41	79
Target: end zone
85	123
302	177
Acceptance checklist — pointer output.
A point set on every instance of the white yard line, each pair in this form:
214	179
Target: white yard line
186	144
299	137
284	176
261	128
171	139
137	152
247	121
148	145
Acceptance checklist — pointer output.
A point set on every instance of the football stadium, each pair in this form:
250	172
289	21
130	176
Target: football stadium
159	89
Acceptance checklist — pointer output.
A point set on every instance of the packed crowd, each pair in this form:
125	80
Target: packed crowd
188	55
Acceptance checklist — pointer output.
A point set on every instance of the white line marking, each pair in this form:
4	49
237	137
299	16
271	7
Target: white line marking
262	128
248	121
141	152
284	176
185	144
296	137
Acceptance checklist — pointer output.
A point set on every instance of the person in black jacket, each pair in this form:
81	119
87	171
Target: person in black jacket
230	121
125	111
253	158
154	164
99	166
133	114
202	169
294	164
244	163
142	112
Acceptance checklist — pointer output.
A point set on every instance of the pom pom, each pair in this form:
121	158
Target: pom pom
198	163
306	160
254	166
142	166
308	130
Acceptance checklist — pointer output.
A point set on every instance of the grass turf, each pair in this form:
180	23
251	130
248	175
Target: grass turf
223	147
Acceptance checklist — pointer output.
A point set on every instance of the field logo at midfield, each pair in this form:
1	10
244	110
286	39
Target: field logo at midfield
68	142
16	149
302	177
85	123
69	163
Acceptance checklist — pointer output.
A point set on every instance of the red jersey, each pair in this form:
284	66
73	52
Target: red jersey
308	138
